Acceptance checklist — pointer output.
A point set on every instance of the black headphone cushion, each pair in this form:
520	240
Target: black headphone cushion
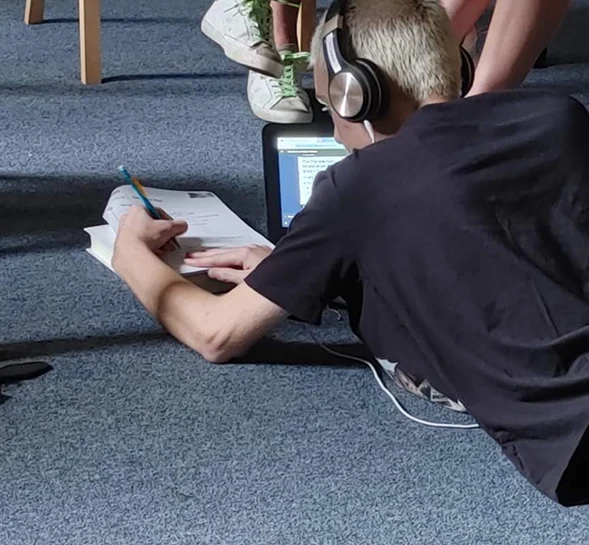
467	71
374	82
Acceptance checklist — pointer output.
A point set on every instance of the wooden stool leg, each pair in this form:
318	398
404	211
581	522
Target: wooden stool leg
90	53
306	24
34	11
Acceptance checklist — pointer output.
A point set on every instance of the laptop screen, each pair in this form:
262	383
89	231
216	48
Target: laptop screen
300	158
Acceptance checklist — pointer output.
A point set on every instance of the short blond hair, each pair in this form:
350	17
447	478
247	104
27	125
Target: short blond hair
411	41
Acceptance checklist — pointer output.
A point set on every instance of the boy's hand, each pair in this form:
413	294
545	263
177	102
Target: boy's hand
230	265
137	227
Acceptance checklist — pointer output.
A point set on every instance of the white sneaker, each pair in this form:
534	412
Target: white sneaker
243	28
281	100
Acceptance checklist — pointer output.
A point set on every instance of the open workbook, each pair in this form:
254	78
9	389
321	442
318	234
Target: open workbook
211	224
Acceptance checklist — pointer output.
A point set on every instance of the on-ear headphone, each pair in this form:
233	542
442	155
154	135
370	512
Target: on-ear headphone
356	88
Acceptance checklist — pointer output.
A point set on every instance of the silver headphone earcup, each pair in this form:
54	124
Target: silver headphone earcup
347	94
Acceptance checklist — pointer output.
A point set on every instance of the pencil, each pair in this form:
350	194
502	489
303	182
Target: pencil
140	190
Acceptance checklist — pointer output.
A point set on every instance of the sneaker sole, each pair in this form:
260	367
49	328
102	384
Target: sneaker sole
241	55
284	117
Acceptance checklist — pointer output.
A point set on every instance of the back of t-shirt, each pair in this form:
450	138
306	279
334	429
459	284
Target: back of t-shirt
484	261
462	245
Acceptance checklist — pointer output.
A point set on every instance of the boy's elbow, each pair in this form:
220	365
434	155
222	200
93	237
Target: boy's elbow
219	348
216	354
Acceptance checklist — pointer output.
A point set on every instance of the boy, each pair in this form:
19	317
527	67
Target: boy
457	232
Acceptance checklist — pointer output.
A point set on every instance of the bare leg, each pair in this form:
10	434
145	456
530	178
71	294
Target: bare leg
518	33
284	19
464	14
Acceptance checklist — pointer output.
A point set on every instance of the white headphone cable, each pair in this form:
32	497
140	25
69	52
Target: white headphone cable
395	401
369	129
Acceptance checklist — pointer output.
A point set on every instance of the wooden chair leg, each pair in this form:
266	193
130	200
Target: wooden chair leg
90	42
34	11
306	24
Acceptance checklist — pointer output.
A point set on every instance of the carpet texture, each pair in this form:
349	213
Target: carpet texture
134	440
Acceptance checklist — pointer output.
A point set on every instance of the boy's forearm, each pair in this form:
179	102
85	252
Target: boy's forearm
181	307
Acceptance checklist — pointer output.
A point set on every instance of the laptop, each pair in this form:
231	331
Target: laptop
293	155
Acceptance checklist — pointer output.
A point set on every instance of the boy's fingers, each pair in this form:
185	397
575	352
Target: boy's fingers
231	276
168	247
218	260
173	228
179	226
164	214
208	252
241	250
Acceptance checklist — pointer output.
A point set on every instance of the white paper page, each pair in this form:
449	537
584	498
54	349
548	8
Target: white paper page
211	223
102	248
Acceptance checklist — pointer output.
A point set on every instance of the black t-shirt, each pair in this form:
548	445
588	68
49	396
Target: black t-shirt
461	245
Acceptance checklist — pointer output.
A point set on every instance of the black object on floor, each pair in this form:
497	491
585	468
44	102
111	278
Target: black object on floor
17	370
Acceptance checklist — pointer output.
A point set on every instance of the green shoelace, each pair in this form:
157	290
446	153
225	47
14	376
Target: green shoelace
288	82
261	13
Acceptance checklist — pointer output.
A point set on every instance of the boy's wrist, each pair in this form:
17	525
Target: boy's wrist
126	252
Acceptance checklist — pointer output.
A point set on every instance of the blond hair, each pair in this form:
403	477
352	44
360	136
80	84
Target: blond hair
411	41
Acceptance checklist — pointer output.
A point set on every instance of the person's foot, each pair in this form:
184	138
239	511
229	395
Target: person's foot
243	28
420	388
16	367
281	100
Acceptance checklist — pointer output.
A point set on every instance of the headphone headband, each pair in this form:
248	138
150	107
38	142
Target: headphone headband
335	13
332	29
355	89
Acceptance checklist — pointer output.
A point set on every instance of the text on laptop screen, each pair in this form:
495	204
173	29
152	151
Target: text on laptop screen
300	159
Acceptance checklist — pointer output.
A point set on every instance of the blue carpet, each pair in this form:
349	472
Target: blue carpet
134	440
